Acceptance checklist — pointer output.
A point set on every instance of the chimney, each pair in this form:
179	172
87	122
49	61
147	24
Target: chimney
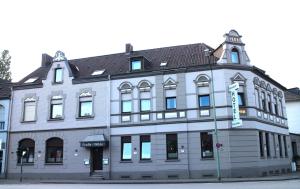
46	60
129	48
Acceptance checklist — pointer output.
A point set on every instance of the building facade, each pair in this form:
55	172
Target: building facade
149	114
5	91
292	109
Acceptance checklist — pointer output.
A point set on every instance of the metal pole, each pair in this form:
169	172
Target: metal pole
215	118
21	177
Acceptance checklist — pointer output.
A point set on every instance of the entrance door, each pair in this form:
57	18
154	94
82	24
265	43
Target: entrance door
97	156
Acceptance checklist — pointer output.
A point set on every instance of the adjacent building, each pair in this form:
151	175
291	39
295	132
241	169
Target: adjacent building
149	114
292	108
5	91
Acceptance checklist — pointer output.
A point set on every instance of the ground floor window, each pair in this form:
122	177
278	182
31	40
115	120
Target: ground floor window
26	146
1	159
280	145
54	150
268	145
172	146
207	149
126	148
261	144
145	146
285	146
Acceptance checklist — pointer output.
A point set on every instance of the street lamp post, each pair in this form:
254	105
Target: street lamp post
218	145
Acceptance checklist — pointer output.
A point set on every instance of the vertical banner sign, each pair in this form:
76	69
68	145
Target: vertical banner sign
236	122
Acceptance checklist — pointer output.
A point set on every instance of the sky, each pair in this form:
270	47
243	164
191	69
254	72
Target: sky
86	28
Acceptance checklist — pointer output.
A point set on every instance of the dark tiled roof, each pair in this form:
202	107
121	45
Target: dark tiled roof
5	88
291	96
117	64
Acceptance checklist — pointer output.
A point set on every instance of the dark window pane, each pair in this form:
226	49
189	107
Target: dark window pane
207	150
204	101
261	144
126	148
285	147
268	144
58	75
54	150
275	106
170	103
280	145
145	147
172	149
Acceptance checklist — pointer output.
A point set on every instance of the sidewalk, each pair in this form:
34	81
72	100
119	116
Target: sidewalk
290	176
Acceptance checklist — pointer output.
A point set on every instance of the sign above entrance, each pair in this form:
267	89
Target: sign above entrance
236	122
94	141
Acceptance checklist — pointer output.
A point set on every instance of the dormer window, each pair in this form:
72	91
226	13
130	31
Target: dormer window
136	65
235	56
58	75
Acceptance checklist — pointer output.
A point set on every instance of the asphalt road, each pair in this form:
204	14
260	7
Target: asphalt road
288	184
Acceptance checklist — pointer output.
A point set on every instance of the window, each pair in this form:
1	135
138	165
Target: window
263	101
285	146
235	56
268	144
58	76
2	113
274	145
85	109
56	107
261	144
126	148
85	105
275	106
204	101
280	145
170	103
172	149
54	150
28	146
241	99
281	107
126	106
269	103
207	149
136	65
29	110
145	105
145	146
257	98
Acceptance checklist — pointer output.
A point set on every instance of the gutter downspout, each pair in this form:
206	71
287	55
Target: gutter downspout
7	132
109	129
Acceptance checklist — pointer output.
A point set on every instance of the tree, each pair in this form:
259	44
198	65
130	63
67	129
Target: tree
5	65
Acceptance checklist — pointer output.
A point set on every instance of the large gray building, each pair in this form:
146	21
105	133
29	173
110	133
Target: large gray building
149	114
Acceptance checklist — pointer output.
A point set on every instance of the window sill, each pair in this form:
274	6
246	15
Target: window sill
85	117
25	164
145	161
57	83
207	159
28	122
172	160
124	161
56	119
53	163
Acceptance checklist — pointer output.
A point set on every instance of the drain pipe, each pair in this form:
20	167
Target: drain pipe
7	133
